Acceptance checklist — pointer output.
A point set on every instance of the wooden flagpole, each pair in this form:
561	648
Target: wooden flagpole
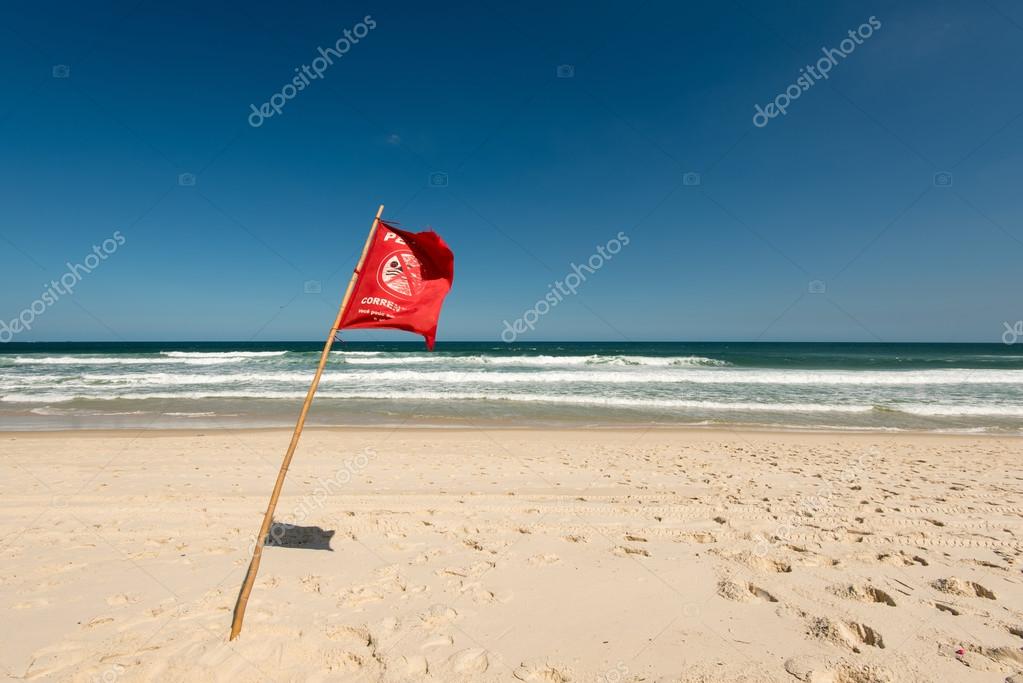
264	529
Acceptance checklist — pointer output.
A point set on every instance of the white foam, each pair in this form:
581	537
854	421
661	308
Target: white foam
858	378
583	375
49	411
356	377
109	360
669	361
937	410
432	396
222	354
541	361
55	412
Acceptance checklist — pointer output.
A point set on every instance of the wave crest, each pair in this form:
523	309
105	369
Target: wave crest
531	361
109	360
222	354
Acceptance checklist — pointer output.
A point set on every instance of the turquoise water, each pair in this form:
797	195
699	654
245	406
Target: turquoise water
942	387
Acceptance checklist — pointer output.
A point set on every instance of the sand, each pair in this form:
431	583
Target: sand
504	555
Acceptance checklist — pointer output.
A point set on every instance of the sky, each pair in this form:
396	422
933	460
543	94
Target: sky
883	205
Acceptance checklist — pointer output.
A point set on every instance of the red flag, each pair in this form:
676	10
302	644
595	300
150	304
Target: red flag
402	284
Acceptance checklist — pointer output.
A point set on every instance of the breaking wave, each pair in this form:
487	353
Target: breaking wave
107	360
564	399
538	361
222	354
664	384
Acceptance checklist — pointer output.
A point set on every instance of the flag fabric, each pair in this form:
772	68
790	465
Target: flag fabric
402	283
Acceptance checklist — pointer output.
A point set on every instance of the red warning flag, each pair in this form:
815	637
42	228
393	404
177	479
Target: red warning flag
402	284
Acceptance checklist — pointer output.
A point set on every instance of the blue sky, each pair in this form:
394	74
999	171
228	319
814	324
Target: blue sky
540	169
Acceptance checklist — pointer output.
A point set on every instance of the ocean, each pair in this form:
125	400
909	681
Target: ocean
817	386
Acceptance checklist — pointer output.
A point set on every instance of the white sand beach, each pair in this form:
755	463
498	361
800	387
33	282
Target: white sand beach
504	555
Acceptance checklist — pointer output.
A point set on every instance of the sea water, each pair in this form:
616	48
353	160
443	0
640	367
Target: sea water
931	387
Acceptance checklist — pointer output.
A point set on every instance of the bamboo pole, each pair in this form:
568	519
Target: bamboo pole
264	529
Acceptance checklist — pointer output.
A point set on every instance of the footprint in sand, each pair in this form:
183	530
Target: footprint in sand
997	658
862	593
942	607
481	595
954	586
474	570
123	599
900	559
848	634
311	583
542	673
355	597
415	665
354	634
338	660
811	671
269	582
758	562
743	592
424	557
436	617
471	661
985	564
389	583
53	659
543	560
439	641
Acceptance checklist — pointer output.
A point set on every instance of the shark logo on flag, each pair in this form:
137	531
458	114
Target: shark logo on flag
402	284
400	273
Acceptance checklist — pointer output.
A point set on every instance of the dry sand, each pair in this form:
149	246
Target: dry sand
505	555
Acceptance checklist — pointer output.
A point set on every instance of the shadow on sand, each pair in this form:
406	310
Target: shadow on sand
283	535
